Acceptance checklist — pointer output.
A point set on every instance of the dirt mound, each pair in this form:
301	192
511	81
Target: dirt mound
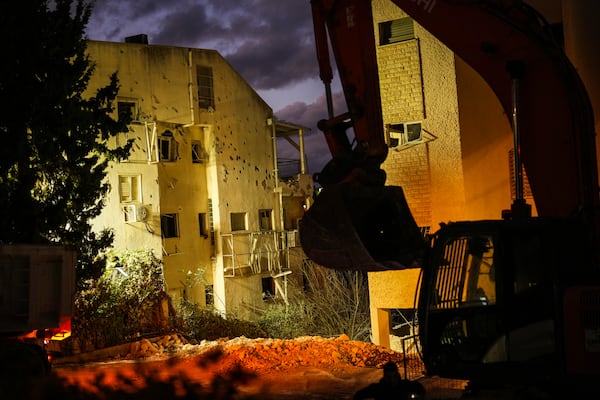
269	354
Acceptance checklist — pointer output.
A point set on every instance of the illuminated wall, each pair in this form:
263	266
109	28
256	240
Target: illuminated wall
207	151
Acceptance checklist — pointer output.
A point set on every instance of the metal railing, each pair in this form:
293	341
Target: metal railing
257	252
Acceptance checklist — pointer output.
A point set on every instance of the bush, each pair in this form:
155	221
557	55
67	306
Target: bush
205	324
281	321
128	300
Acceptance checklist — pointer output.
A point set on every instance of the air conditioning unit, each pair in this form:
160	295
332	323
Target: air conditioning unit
135	212
142	213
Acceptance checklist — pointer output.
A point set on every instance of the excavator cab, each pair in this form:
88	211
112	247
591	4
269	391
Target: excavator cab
493	299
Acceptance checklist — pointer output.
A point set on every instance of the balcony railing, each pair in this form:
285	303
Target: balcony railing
258	252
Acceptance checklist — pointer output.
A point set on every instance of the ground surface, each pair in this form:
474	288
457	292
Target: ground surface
303	368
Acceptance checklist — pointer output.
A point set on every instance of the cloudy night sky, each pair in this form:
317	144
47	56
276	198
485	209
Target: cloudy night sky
269	42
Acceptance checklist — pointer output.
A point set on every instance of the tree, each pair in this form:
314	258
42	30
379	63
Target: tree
54	143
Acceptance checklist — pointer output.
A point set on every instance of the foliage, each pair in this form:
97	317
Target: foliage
127	300
205	324
55	143
285	321
336	302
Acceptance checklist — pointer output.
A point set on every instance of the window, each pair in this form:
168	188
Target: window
268	288
127	111
167	147
265	222
238	221
405	133
202	225
130	188
209	295
198	153
169	225
396	31
466	276
205	88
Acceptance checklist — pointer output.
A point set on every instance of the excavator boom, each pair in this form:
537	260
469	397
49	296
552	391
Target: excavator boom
512	48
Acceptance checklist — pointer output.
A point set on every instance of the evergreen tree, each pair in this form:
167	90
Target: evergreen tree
54	143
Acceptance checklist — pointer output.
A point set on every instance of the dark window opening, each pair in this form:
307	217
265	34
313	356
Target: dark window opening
209	295
169	225
198	153
126	111
238	221
268	288
202	220
167	146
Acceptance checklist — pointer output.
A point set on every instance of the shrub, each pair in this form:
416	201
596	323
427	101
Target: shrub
205	324
128	300
283	321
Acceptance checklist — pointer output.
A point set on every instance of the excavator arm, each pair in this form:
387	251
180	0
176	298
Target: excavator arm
358	222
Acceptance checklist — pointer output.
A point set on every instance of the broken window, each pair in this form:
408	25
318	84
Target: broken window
238	221
167	146
198	153
169	225
127	111
265	221
268	288
405	133
205	88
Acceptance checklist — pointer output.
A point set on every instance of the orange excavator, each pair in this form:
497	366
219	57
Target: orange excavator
512	303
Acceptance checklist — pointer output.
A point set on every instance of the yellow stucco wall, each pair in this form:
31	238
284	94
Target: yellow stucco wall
237	175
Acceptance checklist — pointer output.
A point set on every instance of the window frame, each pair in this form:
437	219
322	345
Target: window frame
169	224
237	220
268	219
399	134
166	141
198	153
205	83
396	31
137	190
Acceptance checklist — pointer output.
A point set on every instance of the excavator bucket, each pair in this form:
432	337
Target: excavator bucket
356	227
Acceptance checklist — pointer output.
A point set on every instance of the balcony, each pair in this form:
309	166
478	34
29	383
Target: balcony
259	252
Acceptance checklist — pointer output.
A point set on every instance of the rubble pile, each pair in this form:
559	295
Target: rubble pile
269	354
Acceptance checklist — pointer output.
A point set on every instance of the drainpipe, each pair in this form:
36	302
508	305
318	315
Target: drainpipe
278	188
302	159
191	86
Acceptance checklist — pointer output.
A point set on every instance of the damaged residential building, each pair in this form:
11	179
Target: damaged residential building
201	187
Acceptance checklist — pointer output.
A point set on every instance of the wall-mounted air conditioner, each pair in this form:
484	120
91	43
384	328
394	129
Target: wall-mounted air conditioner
136	212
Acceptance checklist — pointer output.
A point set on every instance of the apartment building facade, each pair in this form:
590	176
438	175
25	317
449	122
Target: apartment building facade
200	187
450	144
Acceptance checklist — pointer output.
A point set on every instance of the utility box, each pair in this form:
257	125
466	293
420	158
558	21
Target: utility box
37	285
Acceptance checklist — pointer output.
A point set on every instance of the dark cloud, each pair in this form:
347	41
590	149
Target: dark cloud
270	43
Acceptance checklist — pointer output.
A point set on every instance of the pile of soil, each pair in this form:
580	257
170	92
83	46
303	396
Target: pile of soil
269	354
